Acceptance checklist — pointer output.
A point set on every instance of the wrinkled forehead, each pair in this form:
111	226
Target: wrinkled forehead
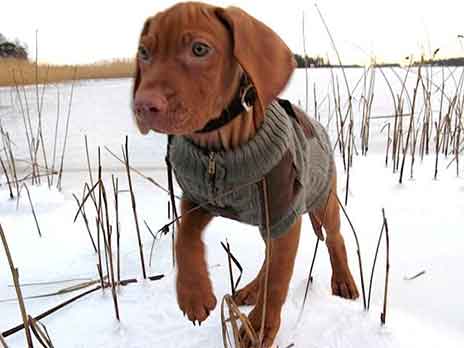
172	24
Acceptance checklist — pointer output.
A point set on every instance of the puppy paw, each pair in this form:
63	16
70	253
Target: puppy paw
248	295
343	285
195	296
271	327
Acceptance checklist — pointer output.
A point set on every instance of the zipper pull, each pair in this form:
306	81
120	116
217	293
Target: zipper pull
212	164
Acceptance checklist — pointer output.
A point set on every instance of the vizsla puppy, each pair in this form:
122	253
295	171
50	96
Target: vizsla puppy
209	77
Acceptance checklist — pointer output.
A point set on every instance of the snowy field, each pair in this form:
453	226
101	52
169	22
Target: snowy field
425	216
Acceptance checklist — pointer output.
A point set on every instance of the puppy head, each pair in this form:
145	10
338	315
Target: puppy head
190	60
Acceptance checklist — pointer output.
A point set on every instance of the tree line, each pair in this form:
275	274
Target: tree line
12	49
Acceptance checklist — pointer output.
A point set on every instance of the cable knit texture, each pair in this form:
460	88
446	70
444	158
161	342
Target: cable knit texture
235	191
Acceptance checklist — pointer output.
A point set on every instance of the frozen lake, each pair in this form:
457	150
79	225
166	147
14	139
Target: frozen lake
101	110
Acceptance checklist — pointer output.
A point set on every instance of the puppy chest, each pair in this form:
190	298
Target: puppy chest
209	183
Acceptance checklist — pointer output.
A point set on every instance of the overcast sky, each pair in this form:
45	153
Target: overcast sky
91	30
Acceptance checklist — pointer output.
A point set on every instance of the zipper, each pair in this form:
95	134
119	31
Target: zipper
212	165
212	175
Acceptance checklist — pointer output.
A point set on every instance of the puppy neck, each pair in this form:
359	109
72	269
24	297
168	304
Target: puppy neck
237	132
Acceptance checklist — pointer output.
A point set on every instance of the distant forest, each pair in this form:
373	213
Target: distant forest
12	49
442	62
317	62
320	62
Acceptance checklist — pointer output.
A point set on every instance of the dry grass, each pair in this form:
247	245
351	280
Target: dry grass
16	72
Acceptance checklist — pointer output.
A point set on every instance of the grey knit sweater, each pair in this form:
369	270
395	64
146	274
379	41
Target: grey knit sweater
298	169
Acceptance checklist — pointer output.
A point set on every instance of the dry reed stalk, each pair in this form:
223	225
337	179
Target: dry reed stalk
134	207
310	279
71	300
89	193
404	90
34	161
39	136
398	135
172	197
5	172
53	282
109	252
15	275
105	218
27	125
458	137
398	124
50	311
173	237
317	228
358	251
155	238
334	46
415	276
101	218
88	161
231	258
349	112
236	317
413	153
389	141
348	169
229	262
40	333
317	115
427	119
411	125
136	171
366	111
438	133
2	342
373	265
199	206
340	122
12	162
60	172
60	292
55	137
32	207
86	221
437	150
268	259
305	63
118	232
383	316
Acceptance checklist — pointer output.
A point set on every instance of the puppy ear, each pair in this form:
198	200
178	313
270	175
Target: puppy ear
143	129
260	51
146	26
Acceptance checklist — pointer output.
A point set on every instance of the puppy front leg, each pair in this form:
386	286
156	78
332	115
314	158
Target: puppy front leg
282	259
343	284
194	291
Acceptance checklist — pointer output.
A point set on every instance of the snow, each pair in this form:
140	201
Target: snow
425	217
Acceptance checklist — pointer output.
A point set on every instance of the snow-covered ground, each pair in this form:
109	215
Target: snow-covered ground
426	219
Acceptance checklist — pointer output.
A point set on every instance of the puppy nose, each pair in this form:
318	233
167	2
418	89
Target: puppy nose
150	105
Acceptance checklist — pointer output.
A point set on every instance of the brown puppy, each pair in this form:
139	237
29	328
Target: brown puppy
190	63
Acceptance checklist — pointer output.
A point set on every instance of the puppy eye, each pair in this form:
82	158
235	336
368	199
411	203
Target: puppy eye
143	54
199	49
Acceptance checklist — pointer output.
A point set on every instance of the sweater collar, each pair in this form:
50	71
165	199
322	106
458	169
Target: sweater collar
244	164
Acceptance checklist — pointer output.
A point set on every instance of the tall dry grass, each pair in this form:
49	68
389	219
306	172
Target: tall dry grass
15	72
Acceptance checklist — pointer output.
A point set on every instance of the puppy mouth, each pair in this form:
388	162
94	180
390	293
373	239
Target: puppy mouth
176	122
